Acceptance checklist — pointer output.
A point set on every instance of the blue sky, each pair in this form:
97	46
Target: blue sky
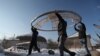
16	15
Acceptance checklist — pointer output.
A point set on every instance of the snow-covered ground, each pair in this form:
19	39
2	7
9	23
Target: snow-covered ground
44	52
98	50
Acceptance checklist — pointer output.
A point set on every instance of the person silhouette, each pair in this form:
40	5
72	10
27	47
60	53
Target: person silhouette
62	35
33	40
81	29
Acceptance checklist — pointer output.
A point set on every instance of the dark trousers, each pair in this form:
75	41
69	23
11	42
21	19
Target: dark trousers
85	45
62	48
31	46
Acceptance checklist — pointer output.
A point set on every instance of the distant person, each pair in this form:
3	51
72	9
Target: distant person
81	29
62	35
33	41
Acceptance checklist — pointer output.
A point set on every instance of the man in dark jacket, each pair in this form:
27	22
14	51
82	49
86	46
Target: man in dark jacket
81	29
62	35
33	40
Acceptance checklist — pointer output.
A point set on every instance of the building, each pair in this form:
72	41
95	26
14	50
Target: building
8	43
74	42
24	41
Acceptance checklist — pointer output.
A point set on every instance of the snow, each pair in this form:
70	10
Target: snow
74	35
44	52
98	50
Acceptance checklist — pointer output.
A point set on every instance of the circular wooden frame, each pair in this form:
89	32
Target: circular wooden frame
59	11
